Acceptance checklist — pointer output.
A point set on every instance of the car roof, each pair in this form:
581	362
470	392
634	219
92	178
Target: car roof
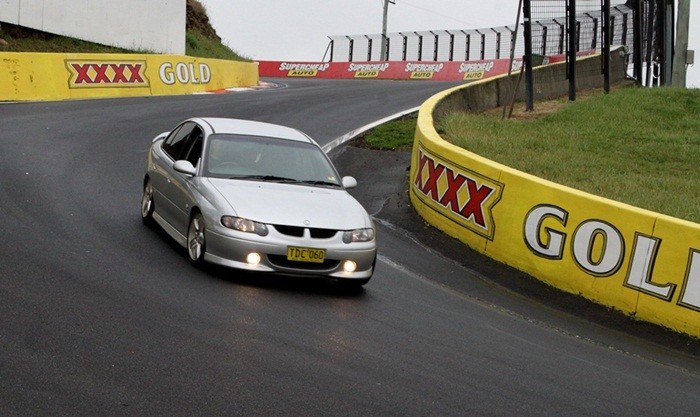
253	128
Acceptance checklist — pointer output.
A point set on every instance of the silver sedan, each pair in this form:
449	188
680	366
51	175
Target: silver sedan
259	197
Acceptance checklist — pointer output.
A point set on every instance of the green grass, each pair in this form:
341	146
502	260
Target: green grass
45	42
396	135
200	46
638	146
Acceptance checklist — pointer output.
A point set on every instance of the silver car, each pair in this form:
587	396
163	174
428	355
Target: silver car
259	197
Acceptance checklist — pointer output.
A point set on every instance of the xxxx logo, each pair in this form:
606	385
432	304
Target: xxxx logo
460	194
91	74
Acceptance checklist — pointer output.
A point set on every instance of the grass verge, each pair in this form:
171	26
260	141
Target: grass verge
396	135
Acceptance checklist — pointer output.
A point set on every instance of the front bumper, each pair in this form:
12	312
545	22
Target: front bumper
231	248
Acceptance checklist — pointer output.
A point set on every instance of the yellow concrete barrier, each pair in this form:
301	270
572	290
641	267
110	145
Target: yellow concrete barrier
642	263
58	76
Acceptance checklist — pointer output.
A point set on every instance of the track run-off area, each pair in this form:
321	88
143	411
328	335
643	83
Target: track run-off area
103	316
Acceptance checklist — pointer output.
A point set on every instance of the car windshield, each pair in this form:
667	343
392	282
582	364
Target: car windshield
267	159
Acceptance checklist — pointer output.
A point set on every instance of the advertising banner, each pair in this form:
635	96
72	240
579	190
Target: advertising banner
54	76
389	70
636	261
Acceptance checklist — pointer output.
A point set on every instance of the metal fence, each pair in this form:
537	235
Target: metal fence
643	27
549	26
433	45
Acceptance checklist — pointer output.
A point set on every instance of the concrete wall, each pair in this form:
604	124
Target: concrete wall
156	26
550	80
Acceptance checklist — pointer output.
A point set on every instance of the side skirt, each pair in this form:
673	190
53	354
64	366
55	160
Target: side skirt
179	238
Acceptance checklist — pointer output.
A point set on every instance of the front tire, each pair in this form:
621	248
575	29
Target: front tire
196	241
147	205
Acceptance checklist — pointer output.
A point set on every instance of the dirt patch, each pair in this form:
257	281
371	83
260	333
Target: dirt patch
543	108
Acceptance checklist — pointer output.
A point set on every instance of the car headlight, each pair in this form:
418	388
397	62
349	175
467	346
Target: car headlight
358	235
244	225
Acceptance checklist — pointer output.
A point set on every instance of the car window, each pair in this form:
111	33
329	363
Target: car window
195	145
239	156
175	144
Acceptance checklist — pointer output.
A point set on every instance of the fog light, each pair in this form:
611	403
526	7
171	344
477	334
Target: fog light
253	258
349	266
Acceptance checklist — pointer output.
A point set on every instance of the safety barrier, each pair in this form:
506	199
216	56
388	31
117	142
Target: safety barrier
58	76
642	263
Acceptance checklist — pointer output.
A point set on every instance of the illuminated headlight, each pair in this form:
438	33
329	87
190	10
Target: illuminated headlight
244	225
358	235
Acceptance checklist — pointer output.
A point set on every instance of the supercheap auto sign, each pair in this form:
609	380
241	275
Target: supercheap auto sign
391	70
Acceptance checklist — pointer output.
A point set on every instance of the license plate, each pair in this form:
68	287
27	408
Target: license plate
305	254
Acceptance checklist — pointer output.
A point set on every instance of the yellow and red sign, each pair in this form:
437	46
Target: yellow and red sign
100	74
642	263
464	196
56	76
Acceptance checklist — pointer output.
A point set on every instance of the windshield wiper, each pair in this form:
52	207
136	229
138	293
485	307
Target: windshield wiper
272	178
315	182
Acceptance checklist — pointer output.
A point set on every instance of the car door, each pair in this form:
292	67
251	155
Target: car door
164	193
182	187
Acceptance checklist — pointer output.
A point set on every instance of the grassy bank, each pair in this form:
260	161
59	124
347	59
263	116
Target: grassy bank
196	45
637	146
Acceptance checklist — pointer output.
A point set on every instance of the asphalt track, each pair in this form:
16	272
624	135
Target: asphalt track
102	316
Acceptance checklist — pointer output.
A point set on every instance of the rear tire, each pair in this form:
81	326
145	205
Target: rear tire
196	239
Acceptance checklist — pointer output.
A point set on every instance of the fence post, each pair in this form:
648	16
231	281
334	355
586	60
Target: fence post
562	35
483	44
572	47
527	30
405	46
606	45
543	51
420	46
594	42
369	48
669	14
436	44
498	43
467	45
452	46
350	48
637	43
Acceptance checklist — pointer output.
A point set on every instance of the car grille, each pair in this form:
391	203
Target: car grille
297	231
283	262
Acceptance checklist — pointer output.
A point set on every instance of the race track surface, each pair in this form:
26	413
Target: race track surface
102	316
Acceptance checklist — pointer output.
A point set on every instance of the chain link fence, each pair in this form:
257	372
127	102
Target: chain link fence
640	29
435	45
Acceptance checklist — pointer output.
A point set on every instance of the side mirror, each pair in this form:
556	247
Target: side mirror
185	167
349	182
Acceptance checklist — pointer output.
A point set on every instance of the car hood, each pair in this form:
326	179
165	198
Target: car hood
292	204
